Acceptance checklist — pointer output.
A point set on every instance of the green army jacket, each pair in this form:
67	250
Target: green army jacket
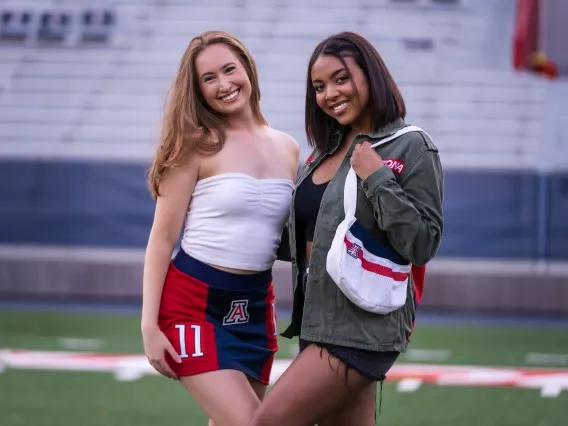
399	204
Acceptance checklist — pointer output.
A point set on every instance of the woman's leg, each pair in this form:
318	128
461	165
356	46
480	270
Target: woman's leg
258	388
360	411
226	396
314	385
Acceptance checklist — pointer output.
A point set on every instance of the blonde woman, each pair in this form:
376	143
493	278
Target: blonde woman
224	179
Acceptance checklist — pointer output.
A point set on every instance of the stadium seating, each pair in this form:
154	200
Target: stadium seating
15	25
116	90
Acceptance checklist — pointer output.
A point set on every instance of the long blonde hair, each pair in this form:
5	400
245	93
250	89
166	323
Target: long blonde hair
189	123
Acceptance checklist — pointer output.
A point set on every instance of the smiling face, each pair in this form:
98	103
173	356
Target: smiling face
342	93
348	88
223	79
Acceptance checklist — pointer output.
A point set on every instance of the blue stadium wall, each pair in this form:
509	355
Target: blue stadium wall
488	214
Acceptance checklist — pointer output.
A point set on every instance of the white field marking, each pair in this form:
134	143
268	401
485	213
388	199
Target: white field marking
409	385
546	359
427	355
75	343
550	382
551	391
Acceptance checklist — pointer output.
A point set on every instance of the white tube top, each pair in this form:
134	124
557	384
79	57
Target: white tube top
236	221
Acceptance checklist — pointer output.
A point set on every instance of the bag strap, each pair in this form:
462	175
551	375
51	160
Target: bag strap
350	189
397	134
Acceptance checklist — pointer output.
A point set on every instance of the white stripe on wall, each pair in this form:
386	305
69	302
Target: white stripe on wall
440	266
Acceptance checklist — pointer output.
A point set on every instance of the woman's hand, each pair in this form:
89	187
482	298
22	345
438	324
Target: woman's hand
365	160
156	344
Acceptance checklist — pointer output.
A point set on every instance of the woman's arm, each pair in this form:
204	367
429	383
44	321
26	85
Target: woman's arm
409	210
171	208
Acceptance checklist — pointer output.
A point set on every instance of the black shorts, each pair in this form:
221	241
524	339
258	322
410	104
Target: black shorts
370	364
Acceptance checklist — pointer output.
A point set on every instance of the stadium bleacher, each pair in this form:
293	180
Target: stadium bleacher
115	91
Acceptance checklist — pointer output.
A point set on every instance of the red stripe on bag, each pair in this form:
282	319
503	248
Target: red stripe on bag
418	277
376	268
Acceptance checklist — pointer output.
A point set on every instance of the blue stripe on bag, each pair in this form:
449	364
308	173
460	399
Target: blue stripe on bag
375	247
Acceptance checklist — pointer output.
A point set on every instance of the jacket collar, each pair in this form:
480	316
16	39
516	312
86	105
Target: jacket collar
338	136
387	130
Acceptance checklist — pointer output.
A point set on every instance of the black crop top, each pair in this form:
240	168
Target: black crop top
306	207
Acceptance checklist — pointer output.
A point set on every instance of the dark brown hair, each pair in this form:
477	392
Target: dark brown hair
190	124
386	103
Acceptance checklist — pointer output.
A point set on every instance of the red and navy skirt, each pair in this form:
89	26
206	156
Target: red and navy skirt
217	320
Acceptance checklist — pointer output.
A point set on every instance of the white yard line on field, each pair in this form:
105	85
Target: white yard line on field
549	381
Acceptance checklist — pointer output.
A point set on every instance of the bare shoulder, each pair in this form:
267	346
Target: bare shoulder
183	176
285	141
286	149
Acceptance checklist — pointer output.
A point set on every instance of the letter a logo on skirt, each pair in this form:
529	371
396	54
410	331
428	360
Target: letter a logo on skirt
238	314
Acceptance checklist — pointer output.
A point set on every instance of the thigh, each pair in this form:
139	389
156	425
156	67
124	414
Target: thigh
258	388
314	385
226	396
360	411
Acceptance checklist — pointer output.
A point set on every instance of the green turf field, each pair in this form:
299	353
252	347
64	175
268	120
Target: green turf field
65	398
